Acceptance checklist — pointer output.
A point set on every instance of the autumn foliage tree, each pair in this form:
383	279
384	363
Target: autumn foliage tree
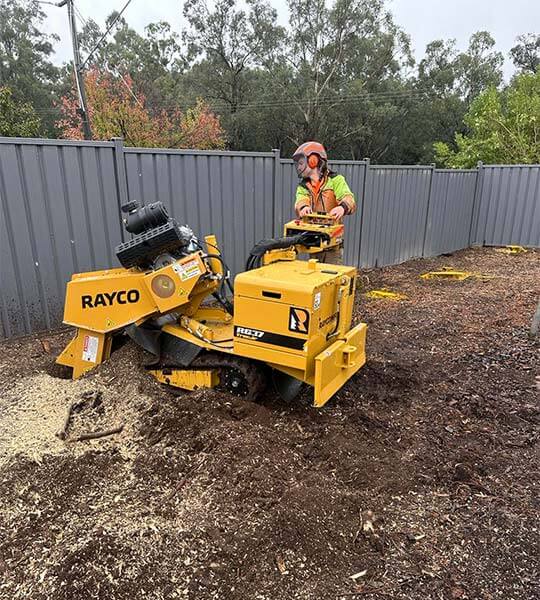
117	110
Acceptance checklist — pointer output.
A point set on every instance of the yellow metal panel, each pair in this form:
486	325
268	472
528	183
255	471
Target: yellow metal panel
185	274
185	379
281	254
271	354
86	350
288	277
511	249
213	248
338	363
223	332
212	313
386	294
107	300
270	315
318	223
447	273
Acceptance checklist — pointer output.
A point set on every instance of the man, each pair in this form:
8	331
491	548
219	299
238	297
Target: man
321	191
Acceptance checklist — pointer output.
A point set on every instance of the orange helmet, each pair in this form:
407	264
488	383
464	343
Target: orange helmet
309	154
308	148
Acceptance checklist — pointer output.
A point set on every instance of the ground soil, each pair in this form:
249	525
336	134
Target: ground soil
418	480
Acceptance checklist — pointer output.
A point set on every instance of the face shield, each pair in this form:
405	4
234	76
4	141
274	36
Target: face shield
300	164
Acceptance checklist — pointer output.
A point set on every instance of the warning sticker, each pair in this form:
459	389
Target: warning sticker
90	348
317	301
188	269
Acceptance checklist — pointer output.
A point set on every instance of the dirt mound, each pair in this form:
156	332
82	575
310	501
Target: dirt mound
416	481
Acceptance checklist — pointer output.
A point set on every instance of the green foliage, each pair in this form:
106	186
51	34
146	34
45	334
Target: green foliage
526	53
344	65
225	47
503	127
341	71
154	61
17	119
25	51
479	67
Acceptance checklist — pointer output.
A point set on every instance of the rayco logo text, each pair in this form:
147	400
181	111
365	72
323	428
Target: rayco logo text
108	299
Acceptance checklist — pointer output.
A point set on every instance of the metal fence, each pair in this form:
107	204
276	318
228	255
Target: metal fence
60	210
226	193
451	204
508	205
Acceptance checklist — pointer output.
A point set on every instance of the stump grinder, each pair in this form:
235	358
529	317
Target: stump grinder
285	319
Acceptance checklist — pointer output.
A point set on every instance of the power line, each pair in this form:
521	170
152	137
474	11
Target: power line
323	101
80	16
128	89
382	96
106	33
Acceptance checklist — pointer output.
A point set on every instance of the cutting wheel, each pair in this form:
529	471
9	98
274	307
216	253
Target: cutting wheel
286	386
237	376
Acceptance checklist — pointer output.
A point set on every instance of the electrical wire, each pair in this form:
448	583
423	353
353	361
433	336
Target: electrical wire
79	15
106	33
382	96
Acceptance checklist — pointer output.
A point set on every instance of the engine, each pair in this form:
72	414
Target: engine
157	239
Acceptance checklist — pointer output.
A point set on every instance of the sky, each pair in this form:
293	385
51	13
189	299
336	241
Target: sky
423	20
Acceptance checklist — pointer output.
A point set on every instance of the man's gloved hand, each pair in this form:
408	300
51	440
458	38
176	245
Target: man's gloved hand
305	211
337	212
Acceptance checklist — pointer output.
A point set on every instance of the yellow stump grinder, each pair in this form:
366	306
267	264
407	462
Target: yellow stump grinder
288	320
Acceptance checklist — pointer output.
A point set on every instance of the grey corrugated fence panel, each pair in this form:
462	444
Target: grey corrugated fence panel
228	194
450	211
60	200
354	172
508	206
59	216
394	214
287	182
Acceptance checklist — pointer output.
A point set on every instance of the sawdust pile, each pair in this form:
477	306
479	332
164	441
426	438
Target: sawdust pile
419	480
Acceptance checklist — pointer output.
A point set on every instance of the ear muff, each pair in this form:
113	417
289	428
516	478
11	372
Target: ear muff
313	161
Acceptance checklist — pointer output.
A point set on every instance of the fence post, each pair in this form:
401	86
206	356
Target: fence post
475	212
120	177
426	222
362	210
276	196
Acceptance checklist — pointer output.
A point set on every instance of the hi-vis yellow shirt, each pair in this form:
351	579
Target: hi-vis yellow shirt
333	191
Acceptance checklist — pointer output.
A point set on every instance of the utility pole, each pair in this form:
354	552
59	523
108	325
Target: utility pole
78	70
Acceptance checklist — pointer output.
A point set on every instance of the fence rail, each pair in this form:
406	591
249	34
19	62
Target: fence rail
60	210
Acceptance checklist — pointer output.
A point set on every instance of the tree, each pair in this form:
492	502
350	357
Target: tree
224	44
446	83
479	67
200	128
117	111
437	71
504	127
153	60
25	51
352	48
17	119
526	53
